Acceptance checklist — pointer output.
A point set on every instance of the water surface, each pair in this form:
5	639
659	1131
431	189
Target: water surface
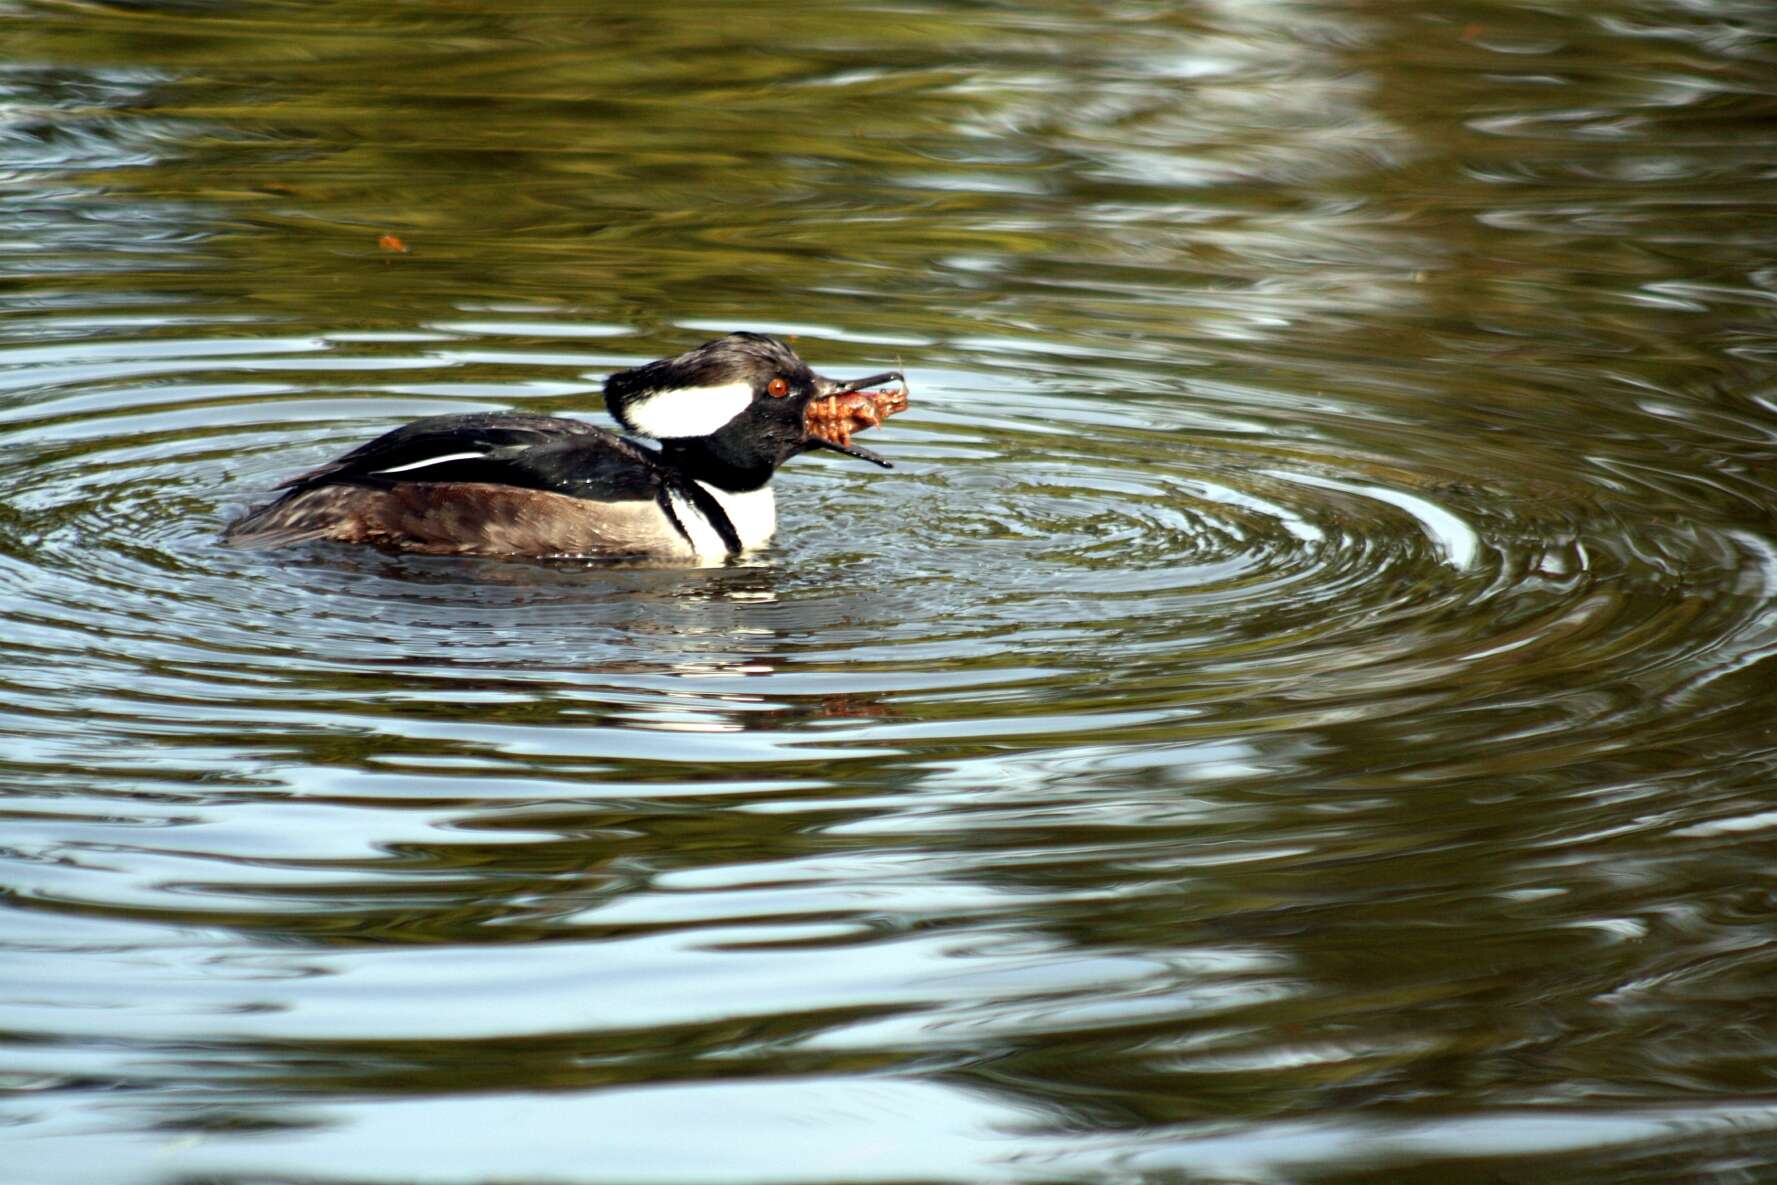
1301	708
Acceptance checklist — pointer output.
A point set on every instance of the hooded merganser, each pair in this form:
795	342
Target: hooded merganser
726	414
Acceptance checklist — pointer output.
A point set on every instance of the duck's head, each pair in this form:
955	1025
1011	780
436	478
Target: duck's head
734	409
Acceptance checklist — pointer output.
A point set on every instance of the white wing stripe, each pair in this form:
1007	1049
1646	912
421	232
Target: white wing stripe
430	461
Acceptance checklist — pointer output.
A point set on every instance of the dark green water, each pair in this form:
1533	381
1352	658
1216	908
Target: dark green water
1303	708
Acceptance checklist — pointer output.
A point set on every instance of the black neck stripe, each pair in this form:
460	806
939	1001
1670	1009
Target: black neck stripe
705	505
718	517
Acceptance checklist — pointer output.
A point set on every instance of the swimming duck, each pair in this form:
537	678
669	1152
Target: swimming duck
725	414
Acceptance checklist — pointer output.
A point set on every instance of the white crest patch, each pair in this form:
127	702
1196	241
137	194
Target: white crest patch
688	411
431	461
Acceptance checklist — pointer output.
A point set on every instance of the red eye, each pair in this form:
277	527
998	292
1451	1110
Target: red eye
777	388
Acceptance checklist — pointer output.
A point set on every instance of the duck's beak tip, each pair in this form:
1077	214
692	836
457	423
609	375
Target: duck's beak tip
844	408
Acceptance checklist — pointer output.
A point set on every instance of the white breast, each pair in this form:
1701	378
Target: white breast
754	514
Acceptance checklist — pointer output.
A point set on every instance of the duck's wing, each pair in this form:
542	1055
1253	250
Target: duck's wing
486	485
505	449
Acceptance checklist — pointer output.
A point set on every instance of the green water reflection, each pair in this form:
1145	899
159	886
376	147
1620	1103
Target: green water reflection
1301	708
